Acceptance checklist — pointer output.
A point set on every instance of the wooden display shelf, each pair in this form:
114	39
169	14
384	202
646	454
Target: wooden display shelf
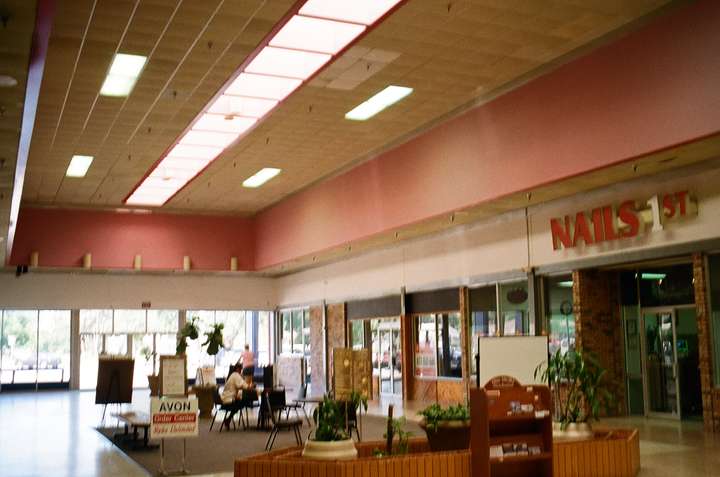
494	425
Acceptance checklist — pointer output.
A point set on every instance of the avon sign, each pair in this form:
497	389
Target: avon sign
627	220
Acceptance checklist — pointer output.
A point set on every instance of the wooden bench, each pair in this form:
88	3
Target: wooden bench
135	420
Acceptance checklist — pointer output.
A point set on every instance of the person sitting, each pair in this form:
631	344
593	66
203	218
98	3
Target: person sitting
248	362
232	393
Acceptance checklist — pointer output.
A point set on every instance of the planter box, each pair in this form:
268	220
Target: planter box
418	462
612	453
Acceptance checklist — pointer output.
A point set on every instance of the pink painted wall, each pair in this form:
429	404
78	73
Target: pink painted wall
62	237
651	90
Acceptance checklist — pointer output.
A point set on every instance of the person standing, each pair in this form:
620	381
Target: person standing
248	361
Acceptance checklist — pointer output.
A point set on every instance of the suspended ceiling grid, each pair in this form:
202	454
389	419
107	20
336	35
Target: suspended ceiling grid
450	52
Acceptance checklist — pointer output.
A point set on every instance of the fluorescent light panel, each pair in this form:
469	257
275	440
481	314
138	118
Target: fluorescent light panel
123	74
365	12
383	99
263	86
79	166
261	177
565	284
653	276
316	34
297	51
287	63
231	106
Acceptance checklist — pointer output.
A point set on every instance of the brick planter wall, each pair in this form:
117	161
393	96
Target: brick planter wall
710	396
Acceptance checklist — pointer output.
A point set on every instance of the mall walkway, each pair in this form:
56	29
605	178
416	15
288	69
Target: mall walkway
52	433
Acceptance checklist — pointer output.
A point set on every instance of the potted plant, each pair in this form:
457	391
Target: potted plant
446	428
153	379
189	331
331	439
575	379
205	391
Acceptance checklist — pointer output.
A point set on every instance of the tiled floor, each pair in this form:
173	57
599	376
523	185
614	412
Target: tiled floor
52	433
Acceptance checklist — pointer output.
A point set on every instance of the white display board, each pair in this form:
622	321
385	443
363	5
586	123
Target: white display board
515	356
173	418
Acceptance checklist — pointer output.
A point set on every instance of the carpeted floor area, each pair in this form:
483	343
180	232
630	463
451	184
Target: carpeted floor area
213	452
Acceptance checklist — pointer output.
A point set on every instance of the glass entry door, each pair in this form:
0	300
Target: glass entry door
388	349
661	362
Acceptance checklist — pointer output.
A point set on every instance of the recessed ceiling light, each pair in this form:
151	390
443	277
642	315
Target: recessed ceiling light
366	12
208	138
79	166
123	74
287	63
383	99
261	177
7	81
316	34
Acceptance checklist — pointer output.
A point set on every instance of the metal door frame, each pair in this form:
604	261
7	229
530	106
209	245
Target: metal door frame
672	309
389	330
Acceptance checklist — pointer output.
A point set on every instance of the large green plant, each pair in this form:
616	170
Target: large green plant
214	339
435	413
576	382
330	421
331	417
189	331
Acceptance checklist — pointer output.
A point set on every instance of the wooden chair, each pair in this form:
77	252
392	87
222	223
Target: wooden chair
275	404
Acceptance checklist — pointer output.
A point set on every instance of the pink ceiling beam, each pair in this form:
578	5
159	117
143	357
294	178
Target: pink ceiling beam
45	11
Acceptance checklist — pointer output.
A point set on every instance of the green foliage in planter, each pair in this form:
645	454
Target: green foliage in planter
402	445
214	339
435	413
189	331
331	417
330	421
581	376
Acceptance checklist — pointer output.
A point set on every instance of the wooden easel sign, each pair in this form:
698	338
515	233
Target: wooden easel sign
173	376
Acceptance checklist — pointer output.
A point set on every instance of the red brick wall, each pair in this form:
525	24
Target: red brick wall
598	328
336	330
710	397
317	351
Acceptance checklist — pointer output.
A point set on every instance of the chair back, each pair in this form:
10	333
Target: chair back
302	392
275	403
216	396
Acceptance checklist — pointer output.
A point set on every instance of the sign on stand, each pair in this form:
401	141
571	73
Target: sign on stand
173	418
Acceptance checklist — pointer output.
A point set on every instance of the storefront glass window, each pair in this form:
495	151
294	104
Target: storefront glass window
665	286
357	334
263	355
714	262
438	350
514	305
483	317
559	313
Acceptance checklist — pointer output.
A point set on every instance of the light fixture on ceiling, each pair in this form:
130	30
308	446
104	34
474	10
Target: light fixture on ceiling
297	50
123	74
653	276
565	284
261	177
7	81
385	98
79	166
